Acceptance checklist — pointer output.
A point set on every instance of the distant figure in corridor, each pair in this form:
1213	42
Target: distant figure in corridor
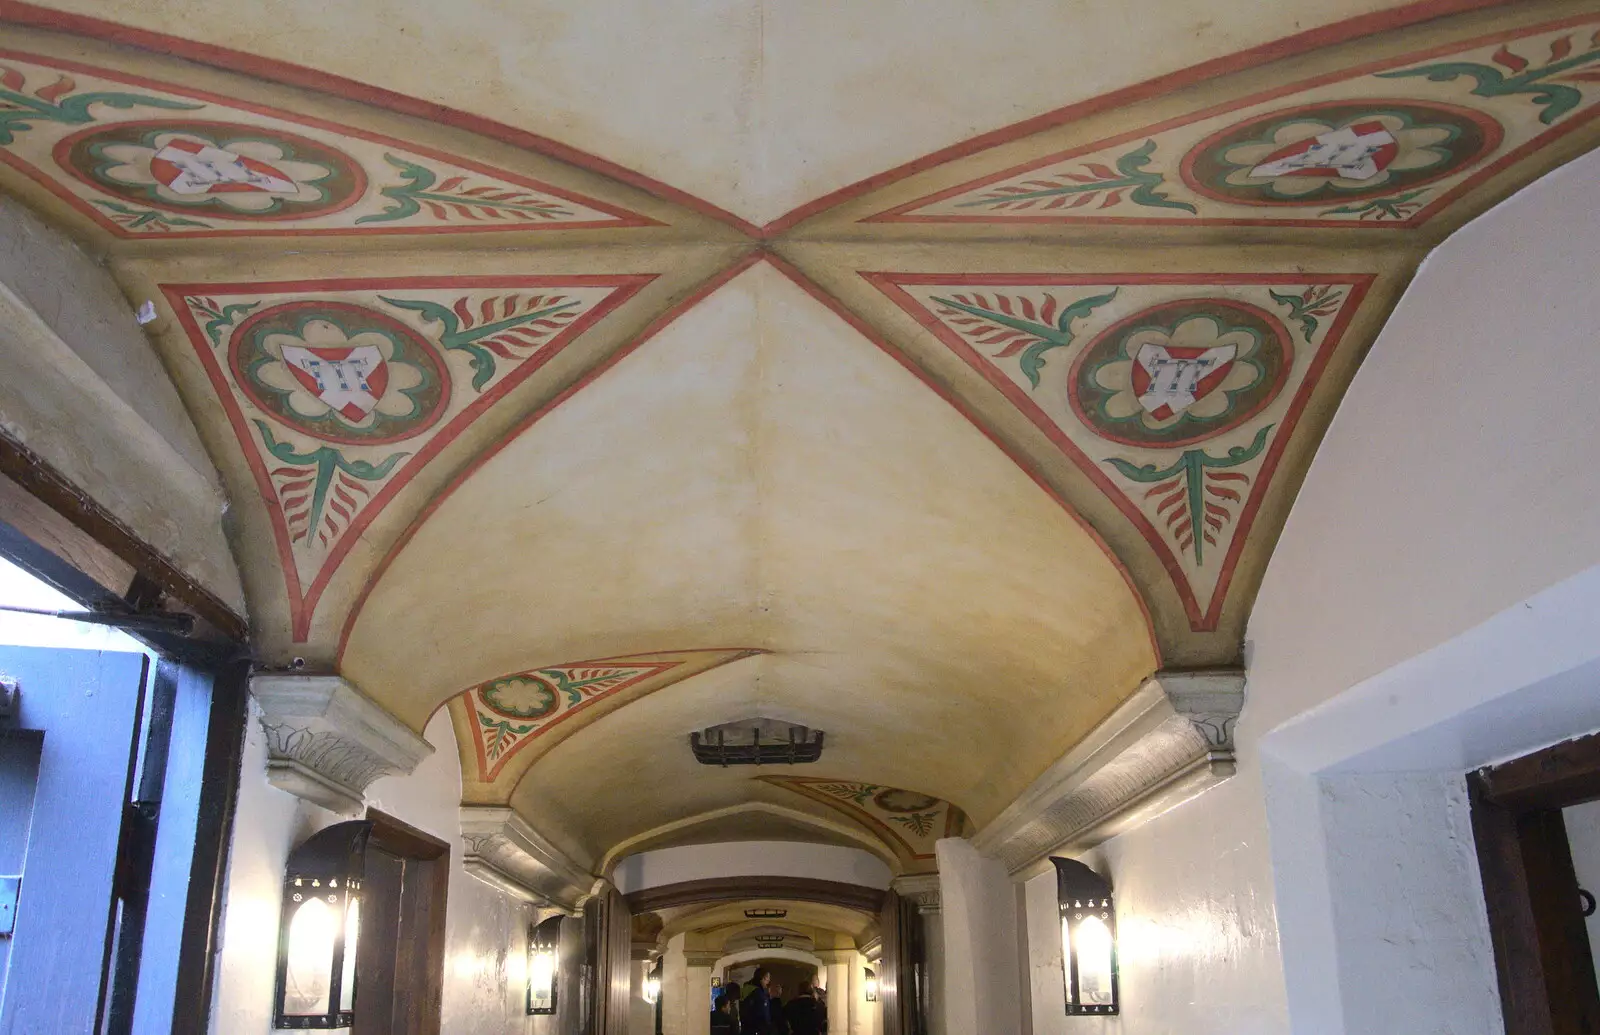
725	1018
755	1014
805	1013
780	1026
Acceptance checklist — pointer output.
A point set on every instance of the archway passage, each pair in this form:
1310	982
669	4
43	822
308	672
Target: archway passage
863	411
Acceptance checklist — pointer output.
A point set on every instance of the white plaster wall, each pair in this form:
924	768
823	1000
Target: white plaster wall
750	859
1457	480
1583	834
979	965
486	931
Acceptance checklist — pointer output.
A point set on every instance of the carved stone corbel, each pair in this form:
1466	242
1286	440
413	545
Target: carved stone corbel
503	851
327	743
921	890
1167	743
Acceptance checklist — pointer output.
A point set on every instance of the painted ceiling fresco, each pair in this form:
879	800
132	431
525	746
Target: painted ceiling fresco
909	821
1149	304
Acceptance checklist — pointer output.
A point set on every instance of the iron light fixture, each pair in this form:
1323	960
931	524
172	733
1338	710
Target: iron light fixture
769	941
870	985
319	929
544	966
756	742
652	984
765	914
1088	939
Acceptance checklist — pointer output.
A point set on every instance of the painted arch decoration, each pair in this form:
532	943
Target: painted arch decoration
1175	393
1389	144
339	391
499	722
909	821
147	159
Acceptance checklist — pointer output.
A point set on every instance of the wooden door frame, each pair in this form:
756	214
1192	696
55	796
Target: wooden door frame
1543	959
431	882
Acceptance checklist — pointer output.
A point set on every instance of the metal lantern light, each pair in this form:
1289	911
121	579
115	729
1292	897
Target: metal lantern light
319	929
871	985
544	965
1088	939
652	984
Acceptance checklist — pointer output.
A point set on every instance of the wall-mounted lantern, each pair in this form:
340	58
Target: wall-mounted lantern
544	965
652	984
1088	939
319	929
871	985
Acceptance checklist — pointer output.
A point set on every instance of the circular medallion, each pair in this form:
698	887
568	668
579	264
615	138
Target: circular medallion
339	372
1180	372
903	801
525	696
218	169
1328	153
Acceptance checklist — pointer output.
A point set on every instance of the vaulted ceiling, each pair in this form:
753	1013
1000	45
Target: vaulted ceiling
927	376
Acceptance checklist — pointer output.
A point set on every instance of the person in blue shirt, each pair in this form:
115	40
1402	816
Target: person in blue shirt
755	1015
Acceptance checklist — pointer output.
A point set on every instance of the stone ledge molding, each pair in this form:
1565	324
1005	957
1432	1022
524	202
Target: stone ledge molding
872	950
327	743
702	959
1170	741
835	957
503	851
921	889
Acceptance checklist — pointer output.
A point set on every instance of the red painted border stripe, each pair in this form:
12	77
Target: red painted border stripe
655	327
289	74
1266	53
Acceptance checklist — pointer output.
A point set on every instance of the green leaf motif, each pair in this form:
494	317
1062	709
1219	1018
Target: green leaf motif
324	462
19	111
1190	469
1401	206
502	735
1130	176
1309	306
1049	337
138	219
920	823
576	688
858	793
419	186
470	337
1553	99
220	317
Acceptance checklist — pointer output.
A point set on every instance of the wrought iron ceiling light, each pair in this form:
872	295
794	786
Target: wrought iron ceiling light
756	742
765	914
319	929
769	941
1088	939
544	966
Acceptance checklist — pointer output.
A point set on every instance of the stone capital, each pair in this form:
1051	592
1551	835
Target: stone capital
921	889
1168	742
503	851
835	957
702	959
327	742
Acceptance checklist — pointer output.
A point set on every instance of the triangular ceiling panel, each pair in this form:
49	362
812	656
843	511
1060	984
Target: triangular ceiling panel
910	822
1175	394
1384	144
145	159
340	390
499	718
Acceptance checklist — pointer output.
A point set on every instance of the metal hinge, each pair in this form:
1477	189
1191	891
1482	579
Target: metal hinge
10	890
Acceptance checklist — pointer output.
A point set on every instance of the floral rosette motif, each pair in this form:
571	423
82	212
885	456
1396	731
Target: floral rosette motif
1180	372
341	373
219	169
1324	153
522	697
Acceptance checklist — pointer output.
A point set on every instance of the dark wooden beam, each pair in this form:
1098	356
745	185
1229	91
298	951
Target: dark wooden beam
1556	777
738	889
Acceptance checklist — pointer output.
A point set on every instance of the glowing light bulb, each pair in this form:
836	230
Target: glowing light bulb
309	975
1094	962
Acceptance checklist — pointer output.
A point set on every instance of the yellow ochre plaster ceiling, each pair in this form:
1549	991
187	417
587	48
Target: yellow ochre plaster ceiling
605	372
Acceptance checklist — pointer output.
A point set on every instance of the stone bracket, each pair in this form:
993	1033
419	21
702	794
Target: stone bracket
1166	744
503	851
922	890
327	743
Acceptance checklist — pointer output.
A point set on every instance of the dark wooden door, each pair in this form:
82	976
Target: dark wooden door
400	961
900	977
82	708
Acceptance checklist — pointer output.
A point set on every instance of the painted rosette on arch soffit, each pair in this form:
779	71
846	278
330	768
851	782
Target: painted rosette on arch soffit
945	465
